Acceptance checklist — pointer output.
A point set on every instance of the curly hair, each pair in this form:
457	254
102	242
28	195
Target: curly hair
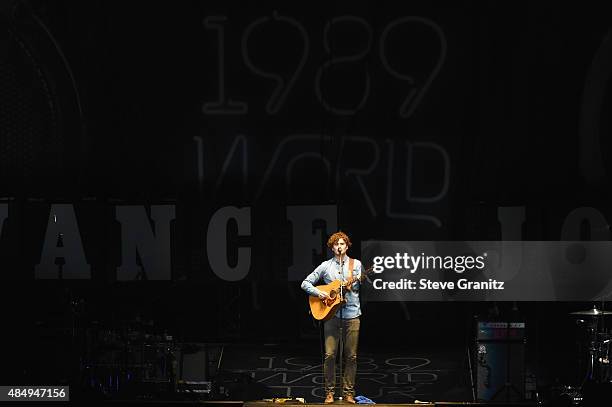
337	236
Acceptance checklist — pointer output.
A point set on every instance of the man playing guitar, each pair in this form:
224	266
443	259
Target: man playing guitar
346	319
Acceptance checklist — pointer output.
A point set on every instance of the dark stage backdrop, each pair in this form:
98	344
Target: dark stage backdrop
178	161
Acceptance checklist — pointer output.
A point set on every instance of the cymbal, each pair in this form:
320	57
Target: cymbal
591	312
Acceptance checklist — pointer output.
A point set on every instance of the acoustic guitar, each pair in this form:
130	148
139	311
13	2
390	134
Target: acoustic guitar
323	310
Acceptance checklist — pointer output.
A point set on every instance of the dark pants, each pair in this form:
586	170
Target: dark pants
350	332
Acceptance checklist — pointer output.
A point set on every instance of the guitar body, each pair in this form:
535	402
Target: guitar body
324	310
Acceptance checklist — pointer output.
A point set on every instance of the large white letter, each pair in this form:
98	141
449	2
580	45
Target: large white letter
307	238
598	225
62	247
506	263
153	246
216	243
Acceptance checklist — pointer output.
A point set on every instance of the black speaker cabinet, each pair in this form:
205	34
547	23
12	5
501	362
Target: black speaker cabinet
193	362
596	394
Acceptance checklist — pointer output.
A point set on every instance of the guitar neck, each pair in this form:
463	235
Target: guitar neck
363	274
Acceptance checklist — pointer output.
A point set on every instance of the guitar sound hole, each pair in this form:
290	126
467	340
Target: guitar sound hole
333	294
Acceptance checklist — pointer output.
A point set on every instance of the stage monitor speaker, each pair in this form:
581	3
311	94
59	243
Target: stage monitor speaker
500	370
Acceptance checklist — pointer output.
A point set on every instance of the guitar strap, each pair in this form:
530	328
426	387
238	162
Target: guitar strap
350	272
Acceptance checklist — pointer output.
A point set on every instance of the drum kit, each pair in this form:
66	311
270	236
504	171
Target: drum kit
595	357
598	368
133	358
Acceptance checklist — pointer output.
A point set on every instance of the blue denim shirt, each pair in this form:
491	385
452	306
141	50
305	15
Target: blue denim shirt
329	271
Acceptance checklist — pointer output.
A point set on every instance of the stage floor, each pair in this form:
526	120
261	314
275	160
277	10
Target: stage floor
337	403
418	404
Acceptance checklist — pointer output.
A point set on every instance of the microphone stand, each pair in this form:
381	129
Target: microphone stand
341	345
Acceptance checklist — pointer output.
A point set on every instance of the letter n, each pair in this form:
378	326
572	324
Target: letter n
152	244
